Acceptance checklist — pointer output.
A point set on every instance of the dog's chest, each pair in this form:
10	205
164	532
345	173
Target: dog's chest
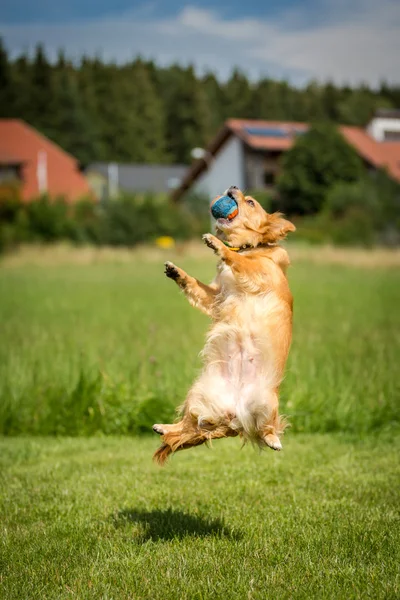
226	279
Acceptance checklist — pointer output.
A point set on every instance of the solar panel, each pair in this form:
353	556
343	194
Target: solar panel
267	131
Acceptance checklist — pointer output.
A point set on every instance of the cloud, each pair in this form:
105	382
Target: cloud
355	41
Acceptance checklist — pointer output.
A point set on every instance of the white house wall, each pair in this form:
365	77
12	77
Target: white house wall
225	170
379	125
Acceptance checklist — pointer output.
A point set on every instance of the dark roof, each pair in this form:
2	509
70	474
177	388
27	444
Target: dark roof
388	113
143	178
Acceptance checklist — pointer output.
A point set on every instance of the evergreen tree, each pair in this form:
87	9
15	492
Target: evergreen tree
8	89
89	99
238	96
269	101
215	101
188	114
40	111
142	112
150	117
359	107
313	103
131	115
331	98
72	127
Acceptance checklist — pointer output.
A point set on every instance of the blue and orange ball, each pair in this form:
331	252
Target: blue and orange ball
224	208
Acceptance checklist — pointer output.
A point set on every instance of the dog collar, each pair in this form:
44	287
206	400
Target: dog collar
247	247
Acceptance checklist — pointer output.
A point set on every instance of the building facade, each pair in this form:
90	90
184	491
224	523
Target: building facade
247	153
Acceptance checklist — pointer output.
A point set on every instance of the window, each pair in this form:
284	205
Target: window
269	178
391	136
8	173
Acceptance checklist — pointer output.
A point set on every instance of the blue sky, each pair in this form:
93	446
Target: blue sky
344	40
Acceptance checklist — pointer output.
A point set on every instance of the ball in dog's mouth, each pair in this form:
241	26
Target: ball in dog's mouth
225	208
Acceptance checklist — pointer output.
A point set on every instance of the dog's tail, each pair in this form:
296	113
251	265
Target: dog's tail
173	441
161	455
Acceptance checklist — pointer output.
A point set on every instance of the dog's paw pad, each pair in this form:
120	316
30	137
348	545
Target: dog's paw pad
171	271
208	239
204	424
158	429
273	442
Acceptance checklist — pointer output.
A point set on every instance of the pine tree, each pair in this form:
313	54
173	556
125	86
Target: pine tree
72	127
143	112
215	99
90	105
188	113
238	96
7	85
149	113
131	114
330	100
359	107
42	97
313	103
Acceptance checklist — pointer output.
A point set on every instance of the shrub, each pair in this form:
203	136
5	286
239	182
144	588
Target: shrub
125	221
364	211
47	219
318	160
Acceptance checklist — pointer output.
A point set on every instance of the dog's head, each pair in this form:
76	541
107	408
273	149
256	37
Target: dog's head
249	224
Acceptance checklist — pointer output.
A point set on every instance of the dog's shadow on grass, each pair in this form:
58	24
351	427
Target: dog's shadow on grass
171	524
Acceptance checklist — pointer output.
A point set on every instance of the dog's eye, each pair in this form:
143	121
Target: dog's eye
250	202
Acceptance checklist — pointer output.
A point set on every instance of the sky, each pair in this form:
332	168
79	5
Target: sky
347	41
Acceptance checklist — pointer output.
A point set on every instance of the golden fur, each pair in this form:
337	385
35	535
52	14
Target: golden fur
250	305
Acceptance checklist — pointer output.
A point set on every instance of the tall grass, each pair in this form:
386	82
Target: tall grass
112	348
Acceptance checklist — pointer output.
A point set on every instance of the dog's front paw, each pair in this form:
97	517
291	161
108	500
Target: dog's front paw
171	271
212	242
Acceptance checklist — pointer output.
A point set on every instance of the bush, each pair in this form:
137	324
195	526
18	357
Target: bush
125	221
318	160
364	211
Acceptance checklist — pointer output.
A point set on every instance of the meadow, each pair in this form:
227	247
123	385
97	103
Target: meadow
94	349
112	347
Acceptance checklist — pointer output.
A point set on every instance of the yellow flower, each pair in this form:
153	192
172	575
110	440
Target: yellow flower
165	241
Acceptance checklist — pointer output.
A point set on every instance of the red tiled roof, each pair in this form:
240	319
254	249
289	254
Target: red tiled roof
378	154
23	143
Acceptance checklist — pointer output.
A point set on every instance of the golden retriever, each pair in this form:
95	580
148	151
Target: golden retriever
250	305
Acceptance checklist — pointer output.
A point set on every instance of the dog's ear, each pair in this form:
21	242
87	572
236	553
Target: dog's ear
276	228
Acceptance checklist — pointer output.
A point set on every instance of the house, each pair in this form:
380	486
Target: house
247	153
38	165
109	179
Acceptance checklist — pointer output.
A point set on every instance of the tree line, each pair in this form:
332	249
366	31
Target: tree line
142	112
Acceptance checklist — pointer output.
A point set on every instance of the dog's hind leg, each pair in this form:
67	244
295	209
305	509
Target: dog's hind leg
271	431
186	434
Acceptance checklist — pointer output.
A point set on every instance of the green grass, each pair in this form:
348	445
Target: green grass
93	518
113	348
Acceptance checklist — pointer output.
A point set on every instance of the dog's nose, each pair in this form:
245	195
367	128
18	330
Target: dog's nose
231	190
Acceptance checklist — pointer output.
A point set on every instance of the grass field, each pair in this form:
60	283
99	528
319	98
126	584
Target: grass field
114	347
93	518
109	347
